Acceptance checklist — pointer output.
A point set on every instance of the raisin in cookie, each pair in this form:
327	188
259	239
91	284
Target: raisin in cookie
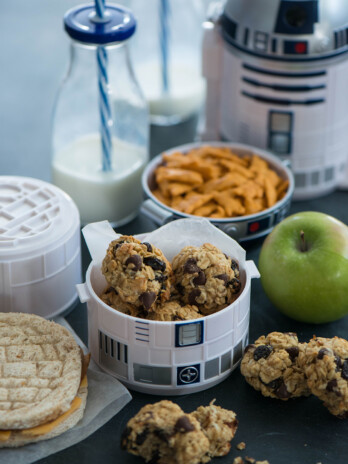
139	272
164	434
271	365
325	363
205	277
219	425
174	311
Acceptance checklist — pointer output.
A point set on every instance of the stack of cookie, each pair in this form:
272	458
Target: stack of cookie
281	367
163	433
143	283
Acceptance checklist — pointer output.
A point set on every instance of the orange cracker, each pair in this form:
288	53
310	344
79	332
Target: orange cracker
176	174
270	193
222	183
232	205
257	164
282	188
177	188
253	205
193	202
158	194
219	212
249	189
206	210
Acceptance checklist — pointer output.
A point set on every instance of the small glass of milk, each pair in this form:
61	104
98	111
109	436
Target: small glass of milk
100	131
167	57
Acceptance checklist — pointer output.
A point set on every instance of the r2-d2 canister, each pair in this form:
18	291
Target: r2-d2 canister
277	78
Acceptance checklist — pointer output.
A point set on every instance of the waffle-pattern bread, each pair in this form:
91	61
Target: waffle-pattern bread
40	371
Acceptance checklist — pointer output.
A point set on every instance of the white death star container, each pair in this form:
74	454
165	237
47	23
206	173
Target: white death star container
276	74
40	257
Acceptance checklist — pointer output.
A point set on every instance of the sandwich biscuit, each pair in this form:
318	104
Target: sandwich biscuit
41	391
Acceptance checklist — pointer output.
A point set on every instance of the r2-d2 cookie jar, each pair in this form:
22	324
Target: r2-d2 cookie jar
277	78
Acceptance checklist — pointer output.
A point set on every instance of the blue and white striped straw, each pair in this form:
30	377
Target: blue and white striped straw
164	12
104	104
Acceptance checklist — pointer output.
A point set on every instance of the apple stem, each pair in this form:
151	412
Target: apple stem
304	246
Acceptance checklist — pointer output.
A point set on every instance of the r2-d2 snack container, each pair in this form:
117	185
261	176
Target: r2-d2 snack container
167	358
276	73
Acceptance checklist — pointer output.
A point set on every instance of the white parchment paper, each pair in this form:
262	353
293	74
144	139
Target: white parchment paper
106	397
170	238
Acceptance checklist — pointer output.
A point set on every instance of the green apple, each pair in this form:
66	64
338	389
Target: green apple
304	267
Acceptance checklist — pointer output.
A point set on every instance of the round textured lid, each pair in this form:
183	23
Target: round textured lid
82	24
34	217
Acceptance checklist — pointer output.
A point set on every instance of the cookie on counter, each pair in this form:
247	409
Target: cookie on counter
174	311
271	366
205	277
139	272
219	425
325	363
164	434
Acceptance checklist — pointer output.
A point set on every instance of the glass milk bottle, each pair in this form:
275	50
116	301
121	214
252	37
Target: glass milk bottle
100	123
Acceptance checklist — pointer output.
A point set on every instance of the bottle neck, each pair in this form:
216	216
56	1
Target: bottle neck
85	55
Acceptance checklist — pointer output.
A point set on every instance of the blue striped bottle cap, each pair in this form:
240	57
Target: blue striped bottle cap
82	24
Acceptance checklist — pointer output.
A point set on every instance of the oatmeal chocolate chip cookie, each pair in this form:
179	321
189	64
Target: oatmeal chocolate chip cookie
219	425
174	311
139	272
325	363
205	277
162	433
271	365
112	299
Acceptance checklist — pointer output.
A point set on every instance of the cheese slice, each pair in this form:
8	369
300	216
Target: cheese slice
5	435
45	428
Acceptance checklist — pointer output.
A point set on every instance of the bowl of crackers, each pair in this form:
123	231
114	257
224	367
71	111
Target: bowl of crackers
242	190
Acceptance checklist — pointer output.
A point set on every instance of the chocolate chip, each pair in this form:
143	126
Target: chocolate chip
331	386
249	347
282	392
147	299
234	266
180	288
161	277
223	277
136	261
293	352
262	351
338	362
322	353
124	437
118	245
161	434
191	267
200	279
148	246
235	284
344	415
193	295
274	384
155	263
155	457
141	437
183	425
344	372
